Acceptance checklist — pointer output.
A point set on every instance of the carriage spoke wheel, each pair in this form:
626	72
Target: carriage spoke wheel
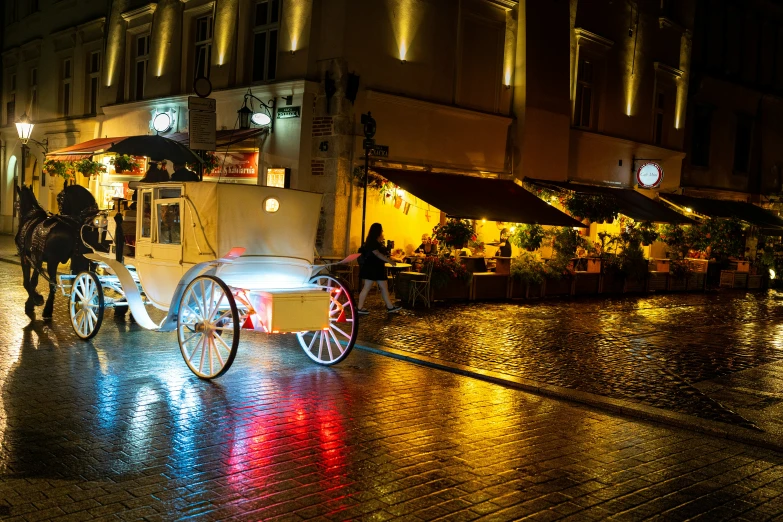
333	344
208	327
85	305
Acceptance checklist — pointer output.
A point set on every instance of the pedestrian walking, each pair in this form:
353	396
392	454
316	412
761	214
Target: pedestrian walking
373	268
183	173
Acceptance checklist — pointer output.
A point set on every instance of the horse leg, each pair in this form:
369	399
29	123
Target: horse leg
51	271
33	291
29	305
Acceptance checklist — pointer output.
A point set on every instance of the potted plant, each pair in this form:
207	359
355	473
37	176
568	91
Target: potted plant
527	276
528	237
63	169
680	273
598	208
559	269
648	233
455	233
88	167
124	163
450	279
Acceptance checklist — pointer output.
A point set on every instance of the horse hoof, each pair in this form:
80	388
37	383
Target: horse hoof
29	311
39	300
47	314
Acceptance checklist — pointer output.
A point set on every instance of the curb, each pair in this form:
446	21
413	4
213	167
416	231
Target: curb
622	406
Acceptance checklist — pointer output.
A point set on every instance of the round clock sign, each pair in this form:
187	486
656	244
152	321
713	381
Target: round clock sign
649	175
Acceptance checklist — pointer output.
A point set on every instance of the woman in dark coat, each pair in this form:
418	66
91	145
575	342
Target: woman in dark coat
373	268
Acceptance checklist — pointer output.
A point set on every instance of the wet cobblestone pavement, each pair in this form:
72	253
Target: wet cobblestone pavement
650	349
119	429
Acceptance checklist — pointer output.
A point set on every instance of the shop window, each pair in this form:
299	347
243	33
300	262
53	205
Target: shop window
33	92
702	133
585	87
10	104
203	46
67	74
742	144
658	117
265	34
93	81
141	51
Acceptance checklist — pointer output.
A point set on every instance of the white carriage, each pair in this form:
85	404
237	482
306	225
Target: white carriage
266	281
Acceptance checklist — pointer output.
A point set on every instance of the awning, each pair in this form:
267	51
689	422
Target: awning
746	212
471	197
631	203
84	150
223	138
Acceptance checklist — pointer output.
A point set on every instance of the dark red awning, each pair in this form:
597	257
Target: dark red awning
85	149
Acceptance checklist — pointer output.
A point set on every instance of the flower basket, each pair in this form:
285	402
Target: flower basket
455	233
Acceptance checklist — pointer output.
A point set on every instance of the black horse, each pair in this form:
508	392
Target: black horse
53	239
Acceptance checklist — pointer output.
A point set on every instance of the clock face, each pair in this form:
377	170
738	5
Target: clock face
202	87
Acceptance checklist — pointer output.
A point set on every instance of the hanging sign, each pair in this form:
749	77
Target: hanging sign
649	175
235	166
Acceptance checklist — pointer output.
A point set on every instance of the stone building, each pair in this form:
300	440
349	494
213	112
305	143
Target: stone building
558	90
735	116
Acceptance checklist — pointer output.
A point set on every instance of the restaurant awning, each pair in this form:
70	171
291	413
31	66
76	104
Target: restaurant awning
471	197
223	138
84	150
746	212
631	203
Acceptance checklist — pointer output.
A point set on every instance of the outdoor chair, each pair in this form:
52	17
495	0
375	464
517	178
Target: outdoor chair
421	288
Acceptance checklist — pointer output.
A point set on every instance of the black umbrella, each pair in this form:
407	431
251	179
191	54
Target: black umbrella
157	148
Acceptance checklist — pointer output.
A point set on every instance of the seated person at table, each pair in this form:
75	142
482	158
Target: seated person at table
398	255
427	247
505	244
462	252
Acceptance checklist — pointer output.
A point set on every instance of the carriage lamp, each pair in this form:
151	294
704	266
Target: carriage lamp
248	115
271	205
24	127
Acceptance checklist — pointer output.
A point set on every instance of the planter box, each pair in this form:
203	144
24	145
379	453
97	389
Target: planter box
697	281
586	283
517	289
755	282
635	285
733	279
489	286
678	284
454	289
662	265
590	265
612	284
740	266
535	290
658	281
698	265
562	286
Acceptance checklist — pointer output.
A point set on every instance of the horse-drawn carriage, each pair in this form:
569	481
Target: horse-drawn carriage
265	281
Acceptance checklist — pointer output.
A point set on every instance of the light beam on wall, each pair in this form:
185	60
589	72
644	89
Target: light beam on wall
405	16
297	18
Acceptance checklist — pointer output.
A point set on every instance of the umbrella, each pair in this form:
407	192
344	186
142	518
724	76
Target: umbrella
157	148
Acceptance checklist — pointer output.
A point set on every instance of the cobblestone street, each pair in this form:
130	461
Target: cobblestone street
660	350
118	428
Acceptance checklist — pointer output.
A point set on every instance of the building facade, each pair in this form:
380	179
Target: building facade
557	90
735	115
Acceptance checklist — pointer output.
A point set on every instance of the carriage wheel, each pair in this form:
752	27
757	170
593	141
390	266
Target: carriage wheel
208	327
85	305
333	344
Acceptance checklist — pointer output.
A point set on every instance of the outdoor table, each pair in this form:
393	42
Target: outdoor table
394	270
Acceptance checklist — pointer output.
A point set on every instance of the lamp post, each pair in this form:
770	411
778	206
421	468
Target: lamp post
24	127
248	115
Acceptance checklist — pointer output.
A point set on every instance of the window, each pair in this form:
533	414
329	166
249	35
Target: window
66	87
742	143
94	81
33	92
702	130
167	211
583	106
146	214
203	46
265	31
276	177
658	114
10	105
142	57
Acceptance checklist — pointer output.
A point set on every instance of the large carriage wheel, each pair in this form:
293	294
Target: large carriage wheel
208	327
85	305
333	344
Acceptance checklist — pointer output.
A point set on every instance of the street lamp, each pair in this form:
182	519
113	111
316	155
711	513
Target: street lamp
24	127
248	115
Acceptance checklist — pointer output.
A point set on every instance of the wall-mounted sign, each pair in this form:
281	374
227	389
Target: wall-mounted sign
284	113
649	175
380	151
201	130
241	167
